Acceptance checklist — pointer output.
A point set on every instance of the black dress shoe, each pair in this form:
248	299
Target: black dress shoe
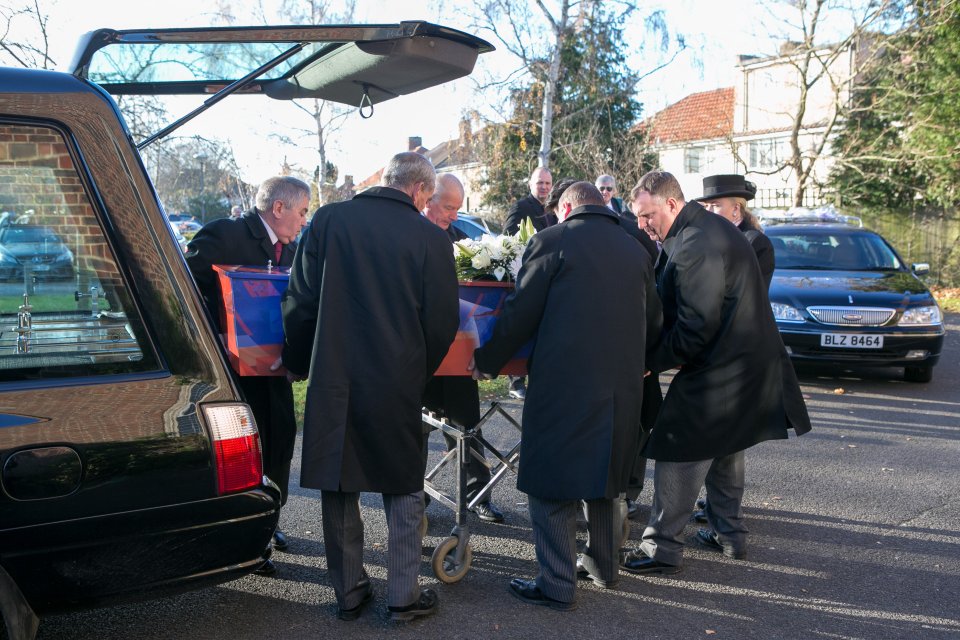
266	569
701	503
280	541
352	614
529	592
709	540
583	574
424	606
487	512
700	516
640	563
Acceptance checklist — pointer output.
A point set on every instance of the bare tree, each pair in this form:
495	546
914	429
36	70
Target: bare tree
821	65
324	118
24	39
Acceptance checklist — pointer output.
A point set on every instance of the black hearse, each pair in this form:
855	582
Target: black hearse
129	463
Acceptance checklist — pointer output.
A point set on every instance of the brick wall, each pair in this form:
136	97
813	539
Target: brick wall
40	185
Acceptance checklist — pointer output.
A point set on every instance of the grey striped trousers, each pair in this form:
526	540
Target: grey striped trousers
555	541
343	539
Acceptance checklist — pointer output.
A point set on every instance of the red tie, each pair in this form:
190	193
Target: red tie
277	250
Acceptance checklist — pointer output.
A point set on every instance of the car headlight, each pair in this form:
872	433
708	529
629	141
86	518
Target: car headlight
921	316
786	313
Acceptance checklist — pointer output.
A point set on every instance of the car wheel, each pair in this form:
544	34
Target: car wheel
918	374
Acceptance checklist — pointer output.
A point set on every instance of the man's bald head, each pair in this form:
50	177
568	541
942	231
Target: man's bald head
442	207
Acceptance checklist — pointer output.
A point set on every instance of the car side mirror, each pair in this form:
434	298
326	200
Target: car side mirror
920	268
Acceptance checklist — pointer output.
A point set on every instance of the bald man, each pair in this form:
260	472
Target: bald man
457	397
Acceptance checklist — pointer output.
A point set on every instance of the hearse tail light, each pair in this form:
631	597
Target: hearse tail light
236	444
785	313
921	316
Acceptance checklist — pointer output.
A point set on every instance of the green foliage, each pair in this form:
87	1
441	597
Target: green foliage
594	113
901	138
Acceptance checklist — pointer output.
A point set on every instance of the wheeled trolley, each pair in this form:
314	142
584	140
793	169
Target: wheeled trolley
452	557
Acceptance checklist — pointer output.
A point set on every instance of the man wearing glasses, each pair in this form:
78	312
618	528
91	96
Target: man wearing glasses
608	189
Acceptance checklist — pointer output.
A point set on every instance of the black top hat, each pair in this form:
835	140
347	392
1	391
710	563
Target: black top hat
727	186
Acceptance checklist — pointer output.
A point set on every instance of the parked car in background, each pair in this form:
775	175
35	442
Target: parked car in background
130	463
841	295
36	249
189	226
178	236
475	226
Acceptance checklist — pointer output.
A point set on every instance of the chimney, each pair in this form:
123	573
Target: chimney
414	142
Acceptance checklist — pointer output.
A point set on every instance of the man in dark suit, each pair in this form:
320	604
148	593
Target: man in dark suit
265	235
371	310
581	417
531	206
457	397
735	386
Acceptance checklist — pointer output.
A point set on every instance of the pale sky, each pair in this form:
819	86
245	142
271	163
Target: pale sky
716	31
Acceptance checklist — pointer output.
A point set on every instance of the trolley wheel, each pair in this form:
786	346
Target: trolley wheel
444	561
424	523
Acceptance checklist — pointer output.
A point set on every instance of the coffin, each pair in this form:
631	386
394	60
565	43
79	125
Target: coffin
480	306
250	317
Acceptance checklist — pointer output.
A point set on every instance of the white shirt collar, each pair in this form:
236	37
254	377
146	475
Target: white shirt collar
273	237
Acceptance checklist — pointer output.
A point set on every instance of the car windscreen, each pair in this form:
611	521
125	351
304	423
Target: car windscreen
819	249
27	235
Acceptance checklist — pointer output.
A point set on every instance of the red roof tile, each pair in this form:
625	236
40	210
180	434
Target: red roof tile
699	116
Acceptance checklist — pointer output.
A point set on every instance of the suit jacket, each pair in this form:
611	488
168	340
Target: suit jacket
528	207
243	241
456	234
371	310
584	392
736	386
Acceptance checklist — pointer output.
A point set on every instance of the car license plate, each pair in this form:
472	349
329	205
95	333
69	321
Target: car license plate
851	340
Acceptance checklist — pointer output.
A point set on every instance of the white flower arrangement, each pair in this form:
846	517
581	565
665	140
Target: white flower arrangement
492	257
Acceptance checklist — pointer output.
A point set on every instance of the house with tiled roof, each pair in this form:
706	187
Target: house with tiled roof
746	128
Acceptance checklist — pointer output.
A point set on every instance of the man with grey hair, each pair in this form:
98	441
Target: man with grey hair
443	205
735	386
608	189
264	235
370	312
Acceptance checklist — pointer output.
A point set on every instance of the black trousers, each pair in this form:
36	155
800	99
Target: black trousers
457	398
271	400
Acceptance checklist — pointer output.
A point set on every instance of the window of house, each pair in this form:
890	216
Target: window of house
64	307
767	154
693	160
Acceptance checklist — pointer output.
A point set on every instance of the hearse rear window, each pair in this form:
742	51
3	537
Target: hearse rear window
64	308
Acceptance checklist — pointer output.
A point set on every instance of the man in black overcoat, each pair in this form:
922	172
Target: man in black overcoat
582	413
652	395
457	397
371	310
265	234
735	386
